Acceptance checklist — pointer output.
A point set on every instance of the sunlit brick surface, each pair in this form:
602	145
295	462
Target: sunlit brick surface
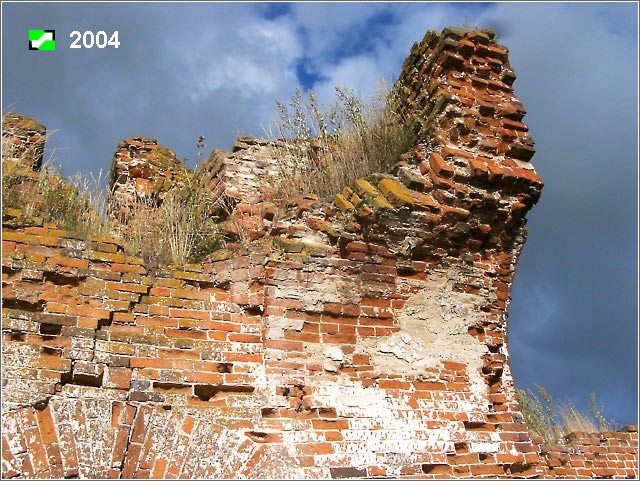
365	337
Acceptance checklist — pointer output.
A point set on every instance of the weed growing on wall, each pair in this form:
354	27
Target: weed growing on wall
77	205
322	150
177	230
552	419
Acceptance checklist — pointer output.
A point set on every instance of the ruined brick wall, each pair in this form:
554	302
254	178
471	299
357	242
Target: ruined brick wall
23	140
242	187
360	338
143	172
601	455
218	372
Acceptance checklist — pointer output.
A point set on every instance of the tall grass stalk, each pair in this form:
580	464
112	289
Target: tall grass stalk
552	420
322	150
77	204
177	230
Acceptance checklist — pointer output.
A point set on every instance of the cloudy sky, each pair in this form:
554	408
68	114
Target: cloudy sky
216	69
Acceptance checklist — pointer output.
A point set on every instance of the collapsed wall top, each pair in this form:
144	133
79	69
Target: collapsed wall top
143	172
23	140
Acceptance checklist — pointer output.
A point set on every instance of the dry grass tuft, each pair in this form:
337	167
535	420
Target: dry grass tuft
325	149
77	205
179	230
553	420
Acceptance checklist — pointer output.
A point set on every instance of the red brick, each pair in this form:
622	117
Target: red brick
49	439
494	170
429	386
527	174
394	384
36	450
188	424
301	336
252	338
159	468
221	326
117	377
437	469
134	269
91	312
451	152
330	424
332	308
204	377
439	166
284	345
315	448
455	366
120	445
68	262
339	338
144	362
167	353
130	464
375	302
241	357
486	469
190	314
128	287
123	317
349	310
54	363
374	471
186	333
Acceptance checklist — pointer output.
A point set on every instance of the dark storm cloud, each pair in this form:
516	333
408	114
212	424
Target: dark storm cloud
216	69
573	317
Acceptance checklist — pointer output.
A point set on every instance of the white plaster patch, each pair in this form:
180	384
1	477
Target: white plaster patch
434	327
334	353
334	289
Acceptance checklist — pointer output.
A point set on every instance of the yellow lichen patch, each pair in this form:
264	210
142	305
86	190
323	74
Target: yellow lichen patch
316	249
220	255
354	199
11	212
368	191
289	245
347	192
381	202
342	203
365	188
397	193
18	121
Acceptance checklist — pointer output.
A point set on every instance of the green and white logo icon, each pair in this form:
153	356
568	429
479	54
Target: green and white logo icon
42	39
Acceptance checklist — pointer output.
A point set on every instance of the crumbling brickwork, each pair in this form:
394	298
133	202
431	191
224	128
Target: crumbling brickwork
143	172
364	337
23	140
242	187
585	455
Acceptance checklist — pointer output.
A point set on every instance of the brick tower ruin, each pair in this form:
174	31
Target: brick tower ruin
364	337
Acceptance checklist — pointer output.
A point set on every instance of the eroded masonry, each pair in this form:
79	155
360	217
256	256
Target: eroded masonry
360	338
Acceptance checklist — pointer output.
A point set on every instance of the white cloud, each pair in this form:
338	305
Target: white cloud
328	31
357	73
249	57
